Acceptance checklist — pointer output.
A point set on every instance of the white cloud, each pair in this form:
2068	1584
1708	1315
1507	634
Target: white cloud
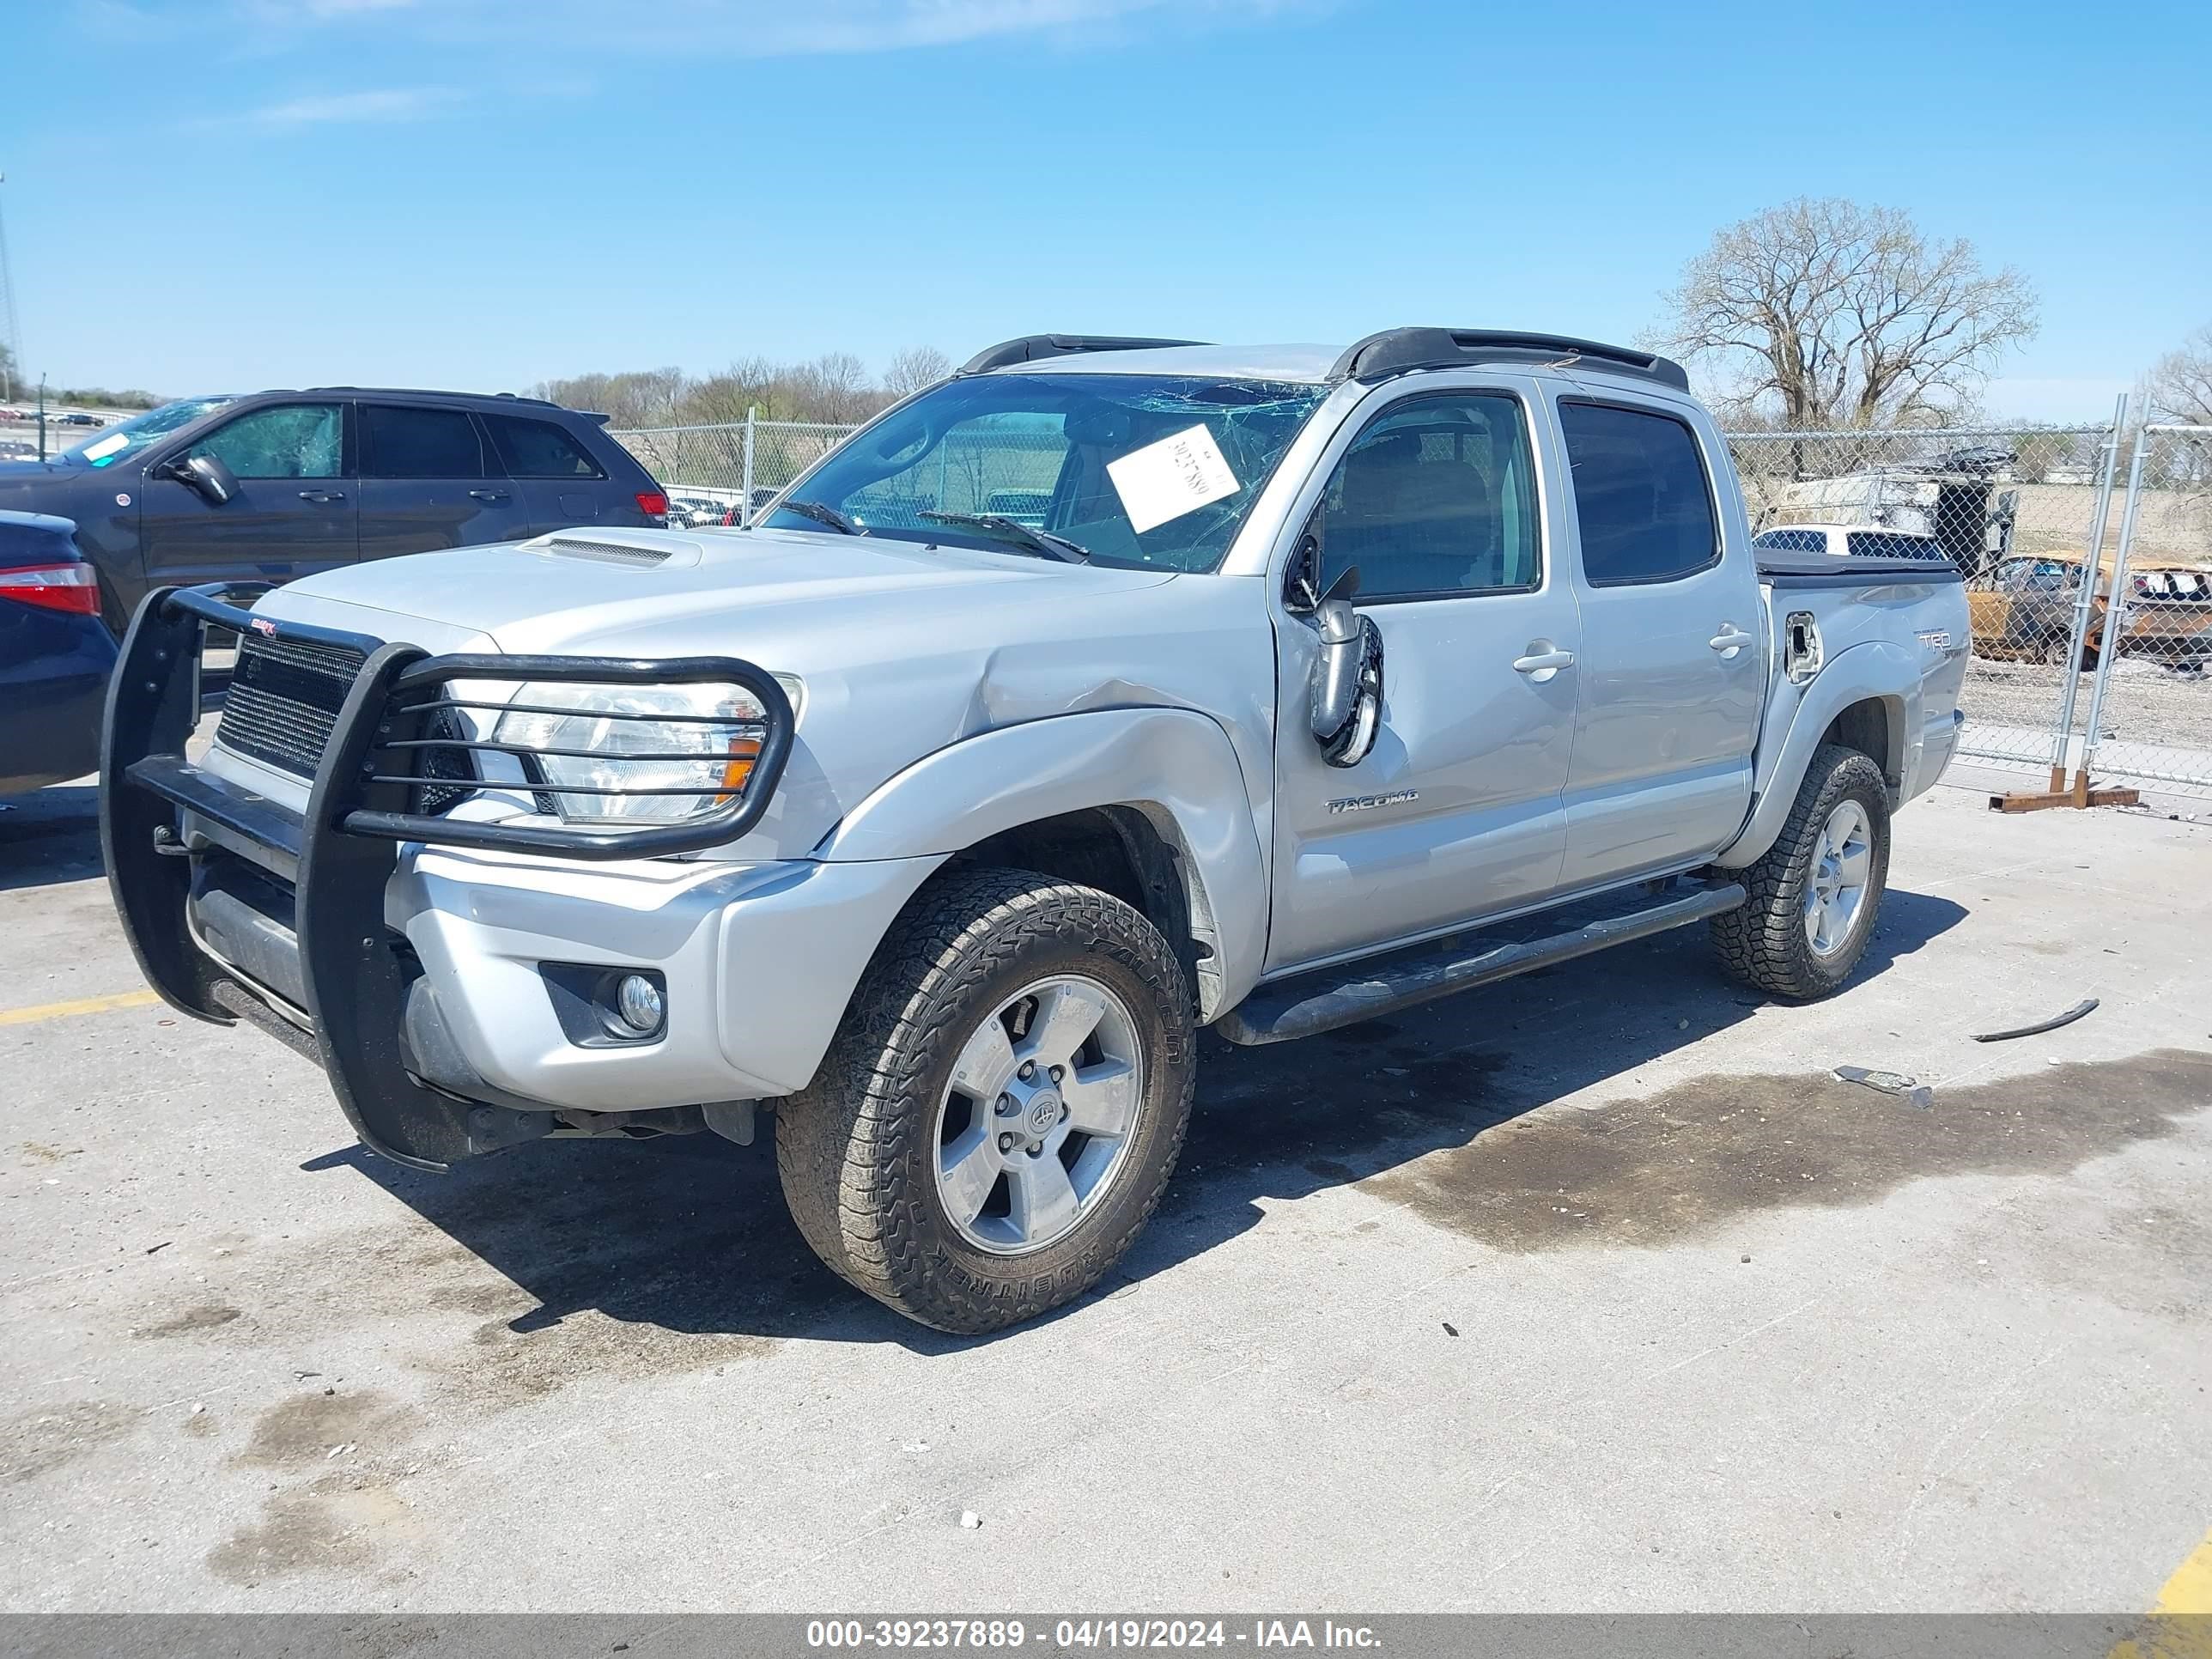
753	28
386	104
318	11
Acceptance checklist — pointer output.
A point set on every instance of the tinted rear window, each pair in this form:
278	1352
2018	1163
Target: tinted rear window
539	449
419	443
1641	497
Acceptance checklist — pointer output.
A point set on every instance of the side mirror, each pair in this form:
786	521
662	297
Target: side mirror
1347	677
214	481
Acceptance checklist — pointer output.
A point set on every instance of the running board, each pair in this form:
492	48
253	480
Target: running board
1329	997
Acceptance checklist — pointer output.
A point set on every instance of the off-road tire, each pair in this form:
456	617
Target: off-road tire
1764	943
855	1150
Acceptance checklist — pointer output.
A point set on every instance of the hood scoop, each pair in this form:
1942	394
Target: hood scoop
637	550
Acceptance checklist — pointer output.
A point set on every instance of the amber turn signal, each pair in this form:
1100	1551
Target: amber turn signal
743	752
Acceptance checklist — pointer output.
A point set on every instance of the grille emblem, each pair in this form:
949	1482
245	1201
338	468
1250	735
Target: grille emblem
263	627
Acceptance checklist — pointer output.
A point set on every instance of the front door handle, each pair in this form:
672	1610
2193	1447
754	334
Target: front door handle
1544	660
323	496
1731	640
489	495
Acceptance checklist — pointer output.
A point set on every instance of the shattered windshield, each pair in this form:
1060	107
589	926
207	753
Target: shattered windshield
128	437
1135	470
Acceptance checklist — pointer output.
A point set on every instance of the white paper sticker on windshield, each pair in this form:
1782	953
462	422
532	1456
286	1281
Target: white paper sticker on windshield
107	446
1167	480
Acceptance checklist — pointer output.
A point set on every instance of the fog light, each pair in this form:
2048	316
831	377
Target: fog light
639	1002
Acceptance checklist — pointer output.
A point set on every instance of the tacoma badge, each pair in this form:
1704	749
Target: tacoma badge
1369	803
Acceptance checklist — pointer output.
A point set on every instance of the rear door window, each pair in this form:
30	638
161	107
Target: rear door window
400	442
539	449
1641	495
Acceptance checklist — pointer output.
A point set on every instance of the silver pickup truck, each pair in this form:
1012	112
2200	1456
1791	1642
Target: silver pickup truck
1104	690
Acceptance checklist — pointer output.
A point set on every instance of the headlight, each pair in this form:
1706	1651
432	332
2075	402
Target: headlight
618	753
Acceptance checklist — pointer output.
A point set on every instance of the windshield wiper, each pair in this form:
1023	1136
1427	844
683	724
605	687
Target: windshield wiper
1037	541
823	513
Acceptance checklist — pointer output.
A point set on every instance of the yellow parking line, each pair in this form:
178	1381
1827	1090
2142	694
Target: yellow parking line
2190	1589
82	1006
2180	1625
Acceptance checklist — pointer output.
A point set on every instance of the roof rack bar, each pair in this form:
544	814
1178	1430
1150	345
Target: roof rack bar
1035	348
435	391
1398	350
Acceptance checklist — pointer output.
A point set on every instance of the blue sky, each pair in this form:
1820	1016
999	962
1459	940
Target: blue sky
233	193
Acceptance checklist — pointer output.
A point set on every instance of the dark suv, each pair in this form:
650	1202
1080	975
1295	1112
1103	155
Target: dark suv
280	484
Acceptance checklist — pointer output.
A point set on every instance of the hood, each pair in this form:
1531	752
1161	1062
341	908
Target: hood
660	593
20	478
897	648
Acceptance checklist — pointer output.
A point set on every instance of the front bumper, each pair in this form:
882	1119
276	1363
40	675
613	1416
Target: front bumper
759	961
408	953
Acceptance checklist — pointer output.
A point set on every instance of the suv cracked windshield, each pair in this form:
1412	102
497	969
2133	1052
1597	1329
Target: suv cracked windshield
1138	471
128	437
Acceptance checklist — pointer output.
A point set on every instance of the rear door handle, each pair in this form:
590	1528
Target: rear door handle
1540	665
1731	640
322	495
489	495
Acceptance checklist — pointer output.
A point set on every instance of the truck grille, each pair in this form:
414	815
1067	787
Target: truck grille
283	703
283	700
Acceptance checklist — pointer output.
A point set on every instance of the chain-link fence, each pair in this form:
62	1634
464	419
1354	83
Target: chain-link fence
718	473
2049	525
2014	509
2150	711
2037	518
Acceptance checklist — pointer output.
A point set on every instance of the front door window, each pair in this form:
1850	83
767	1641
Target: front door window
287	441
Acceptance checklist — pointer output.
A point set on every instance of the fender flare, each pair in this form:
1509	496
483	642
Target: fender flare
1874	671
1176	767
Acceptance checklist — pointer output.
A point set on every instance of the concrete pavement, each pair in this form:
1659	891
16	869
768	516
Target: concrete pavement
1587	1291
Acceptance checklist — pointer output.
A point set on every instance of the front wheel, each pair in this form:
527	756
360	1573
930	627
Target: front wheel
1002	1107
1815	894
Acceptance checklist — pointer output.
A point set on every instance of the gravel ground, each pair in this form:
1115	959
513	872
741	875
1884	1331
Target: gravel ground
2144	702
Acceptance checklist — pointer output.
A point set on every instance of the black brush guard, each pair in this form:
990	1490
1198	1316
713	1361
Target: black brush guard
355	974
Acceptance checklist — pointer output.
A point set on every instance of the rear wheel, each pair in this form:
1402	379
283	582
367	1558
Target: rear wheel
1002	1107
1814	896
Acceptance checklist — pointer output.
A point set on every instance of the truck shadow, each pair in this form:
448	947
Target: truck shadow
691	1235
48	836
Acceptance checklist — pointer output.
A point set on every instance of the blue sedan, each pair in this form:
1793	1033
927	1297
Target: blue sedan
55	654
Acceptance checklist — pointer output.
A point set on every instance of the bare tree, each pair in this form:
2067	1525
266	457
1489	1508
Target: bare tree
1827	313
747	383
2178	387
914	368
646	397
834	387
